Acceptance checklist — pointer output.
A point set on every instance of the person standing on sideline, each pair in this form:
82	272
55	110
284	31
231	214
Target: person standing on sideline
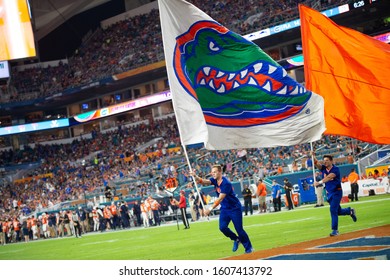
114	215
191	201
83	220
76	224
145	214
182	204
230	208
95	218
102	224
25	231
319	190
247	195
137	212
124	210
155	206
276	197
288	189
262	195
60	224
332	181
353	177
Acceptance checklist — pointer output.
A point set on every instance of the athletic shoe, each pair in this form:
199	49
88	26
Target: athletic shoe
235	245
353	215
334	233
250	250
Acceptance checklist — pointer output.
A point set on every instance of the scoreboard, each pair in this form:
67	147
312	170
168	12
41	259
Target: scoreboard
360	3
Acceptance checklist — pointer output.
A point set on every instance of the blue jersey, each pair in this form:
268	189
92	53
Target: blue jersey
335	184
230	201
275	189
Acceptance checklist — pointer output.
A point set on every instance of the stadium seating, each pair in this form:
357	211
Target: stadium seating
137	41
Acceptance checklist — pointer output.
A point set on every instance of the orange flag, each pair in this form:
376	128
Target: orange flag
350	71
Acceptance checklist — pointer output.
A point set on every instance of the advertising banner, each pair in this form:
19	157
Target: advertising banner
379	186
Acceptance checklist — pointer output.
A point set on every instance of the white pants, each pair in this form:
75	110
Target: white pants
145	219
35	232
96	224
45	230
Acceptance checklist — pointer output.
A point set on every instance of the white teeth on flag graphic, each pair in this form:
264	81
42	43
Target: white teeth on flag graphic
226	92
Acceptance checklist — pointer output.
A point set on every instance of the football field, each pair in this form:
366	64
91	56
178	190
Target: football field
204	241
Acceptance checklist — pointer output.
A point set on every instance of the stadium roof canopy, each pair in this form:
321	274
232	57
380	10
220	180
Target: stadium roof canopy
49	14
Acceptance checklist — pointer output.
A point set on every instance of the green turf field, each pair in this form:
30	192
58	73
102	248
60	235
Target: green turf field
204	240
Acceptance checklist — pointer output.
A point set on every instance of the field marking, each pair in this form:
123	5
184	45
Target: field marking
280	222
290	231
376	222
99	242
13	251
299	220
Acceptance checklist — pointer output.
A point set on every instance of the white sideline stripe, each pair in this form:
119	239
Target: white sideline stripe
100	242
13	251
279	222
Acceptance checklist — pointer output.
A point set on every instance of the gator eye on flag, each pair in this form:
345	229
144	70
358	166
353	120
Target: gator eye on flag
226	92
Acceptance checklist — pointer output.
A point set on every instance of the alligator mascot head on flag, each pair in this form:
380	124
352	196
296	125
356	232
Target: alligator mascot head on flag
234	81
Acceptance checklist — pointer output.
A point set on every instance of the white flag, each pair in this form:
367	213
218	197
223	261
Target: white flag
226	92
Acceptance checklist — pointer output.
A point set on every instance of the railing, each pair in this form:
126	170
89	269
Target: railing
384	160
370	158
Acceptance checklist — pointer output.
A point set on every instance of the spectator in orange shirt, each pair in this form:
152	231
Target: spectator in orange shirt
114	215
353	177
262	194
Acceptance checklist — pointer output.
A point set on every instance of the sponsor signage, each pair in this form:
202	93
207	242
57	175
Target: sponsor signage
292	24
380	186
124	107
32	127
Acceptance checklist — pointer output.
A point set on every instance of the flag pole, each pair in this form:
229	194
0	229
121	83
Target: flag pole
193	178
312	160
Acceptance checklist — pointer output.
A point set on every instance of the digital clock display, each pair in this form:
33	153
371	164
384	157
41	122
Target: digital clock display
360	3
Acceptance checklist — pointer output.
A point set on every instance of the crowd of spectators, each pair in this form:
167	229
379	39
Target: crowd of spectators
87	166
137	41
246	16
73	177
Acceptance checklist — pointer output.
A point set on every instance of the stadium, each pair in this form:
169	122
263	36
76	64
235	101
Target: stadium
89	138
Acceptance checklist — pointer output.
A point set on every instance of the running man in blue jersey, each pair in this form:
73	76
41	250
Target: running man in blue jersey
332	181
231	209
